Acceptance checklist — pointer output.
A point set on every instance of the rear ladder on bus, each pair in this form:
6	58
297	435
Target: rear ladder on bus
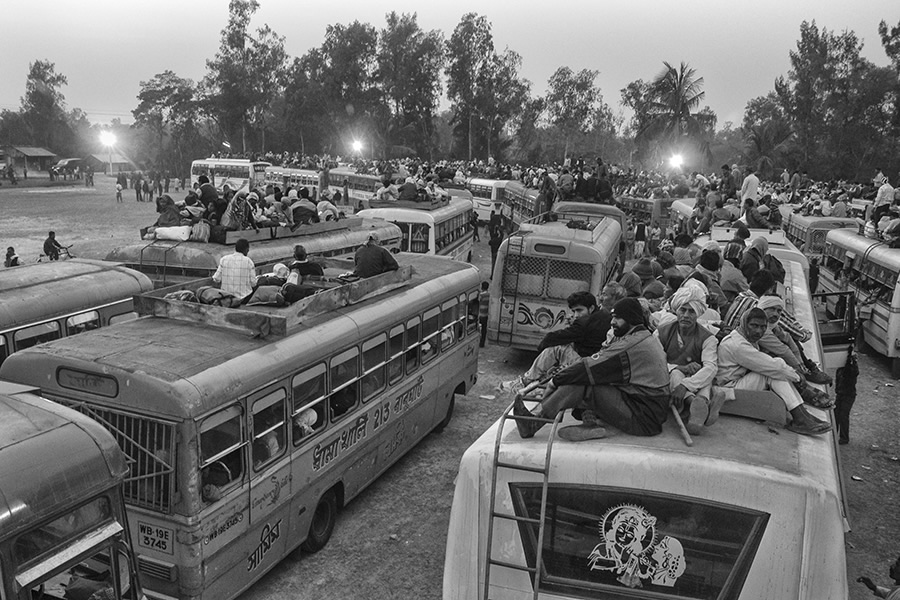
515	298
544	470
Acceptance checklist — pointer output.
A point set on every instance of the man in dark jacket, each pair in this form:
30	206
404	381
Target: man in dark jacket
583	337
372	259
627	383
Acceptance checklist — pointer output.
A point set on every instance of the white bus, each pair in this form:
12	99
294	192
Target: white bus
748	512
487	197
237	173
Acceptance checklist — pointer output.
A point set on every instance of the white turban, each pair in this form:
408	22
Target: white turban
770	302
689	295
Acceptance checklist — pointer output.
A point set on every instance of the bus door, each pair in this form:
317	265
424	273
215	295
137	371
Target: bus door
837	327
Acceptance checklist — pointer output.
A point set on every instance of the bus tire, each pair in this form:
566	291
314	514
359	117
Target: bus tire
446	420
322	524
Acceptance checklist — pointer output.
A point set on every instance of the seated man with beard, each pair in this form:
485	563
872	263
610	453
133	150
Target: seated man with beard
626	385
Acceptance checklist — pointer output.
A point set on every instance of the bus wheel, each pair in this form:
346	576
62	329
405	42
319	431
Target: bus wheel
446	420
322	523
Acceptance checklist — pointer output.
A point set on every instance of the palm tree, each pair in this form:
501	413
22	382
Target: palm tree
768	144
672	111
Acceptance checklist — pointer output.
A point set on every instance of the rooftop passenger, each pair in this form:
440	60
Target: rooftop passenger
236	272
743	366
625	385
371	259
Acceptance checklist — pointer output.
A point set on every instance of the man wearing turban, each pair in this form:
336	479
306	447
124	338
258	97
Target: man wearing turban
691	359
627	383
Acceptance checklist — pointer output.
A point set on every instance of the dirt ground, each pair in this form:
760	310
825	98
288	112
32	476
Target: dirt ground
389	542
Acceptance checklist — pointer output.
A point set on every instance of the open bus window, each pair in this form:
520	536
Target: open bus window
450	331
221	458
430	328
374	354
83	322
36	334
413	330
601	541
309	404
344	382
4	349
395	346
269	431
122	318
472	308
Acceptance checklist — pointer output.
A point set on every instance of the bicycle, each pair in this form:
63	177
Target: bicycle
64	254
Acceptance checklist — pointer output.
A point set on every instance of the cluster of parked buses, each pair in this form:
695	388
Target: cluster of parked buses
243	434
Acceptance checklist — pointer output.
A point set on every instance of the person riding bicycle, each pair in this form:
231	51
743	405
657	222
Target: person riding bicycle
51	246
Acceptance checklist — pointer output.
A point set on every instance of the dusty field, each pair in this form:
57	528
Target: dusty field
389	542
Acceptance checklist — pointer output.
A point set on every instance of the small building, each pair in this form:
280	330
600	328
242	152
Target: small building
36	159
101	162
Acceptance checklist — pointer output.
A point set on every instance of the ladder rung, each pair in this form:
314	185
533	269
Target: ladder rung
530	418
512	517
521	467
501	563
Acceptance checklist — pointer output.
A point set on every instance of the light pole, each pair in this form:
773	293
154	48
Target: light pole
108	139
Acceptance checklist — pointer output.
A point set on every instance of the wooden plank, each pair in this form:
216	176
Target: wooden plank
256	324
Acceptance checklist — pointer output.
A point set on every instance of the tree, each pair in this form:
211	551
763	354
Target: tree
43	106
504	94
572	101
168	106
471	52
672	115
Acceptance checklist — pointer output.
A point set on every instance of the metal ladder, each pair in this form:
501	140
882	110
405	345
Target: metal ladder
166	249
515	298
494	514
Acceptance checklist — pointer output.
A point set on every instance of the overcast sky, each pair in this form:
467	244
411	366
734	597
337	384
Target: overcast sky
107	47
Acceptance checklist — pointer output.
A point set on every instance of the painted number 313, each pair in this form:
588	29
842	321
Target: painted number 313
382	414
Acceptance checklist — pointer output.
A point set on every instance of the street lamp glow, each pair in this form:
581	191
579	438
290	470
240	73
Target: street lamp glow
357	146
676	161
107	138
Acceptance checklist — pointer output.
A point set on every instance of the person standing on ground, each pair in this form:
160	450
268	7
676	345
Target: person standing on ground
494	243
118	193
475	227
640	239
236	273
484	304
750	187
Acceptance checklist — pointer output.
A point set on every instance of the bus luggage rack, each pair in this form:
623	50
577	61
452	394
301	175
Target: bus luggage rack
263	321
543	470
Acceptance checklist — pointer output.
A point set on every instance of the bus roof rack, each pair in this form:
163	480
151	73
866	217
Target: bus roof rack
432	204
265	321
229	238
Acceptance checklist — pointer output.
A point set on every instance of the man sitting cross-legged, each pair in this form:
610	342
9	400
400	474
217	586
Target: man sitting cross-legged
743	366
626	384
692	361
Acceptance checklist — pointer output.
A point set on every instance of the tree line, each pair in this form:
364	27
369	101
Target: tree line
834	114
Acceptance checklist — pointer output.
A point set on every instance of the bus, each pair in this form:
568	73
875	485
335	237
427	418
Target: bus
47	301
541	264
523	203
808	232
63	528
356	188
443	228
237	173
487	197
871	270
648	210
742	513
169	262
248	429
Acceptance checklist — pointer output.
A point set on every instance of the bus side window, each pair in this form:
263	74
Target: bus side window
309	402
36	334
430	334
83	322
122	318
472	313
4	349
221	455
413	342
344	382
395	346
268	427
374	355
449	333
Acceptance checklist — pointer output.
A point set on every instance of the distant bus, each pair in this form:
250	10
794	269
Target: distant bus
523	203
541	264
356	188
247	430
63	527
443	229
487	197
47	301
871	270
737	515
167	263
808	232
647	210
235	172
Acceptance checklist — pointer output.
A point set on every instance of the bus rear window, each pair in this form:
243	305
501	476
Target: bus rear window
54	534
605	542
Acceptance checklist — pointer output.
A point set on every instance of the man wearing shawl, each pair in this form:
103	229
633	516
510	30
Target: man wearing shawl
627	383
743	366
753	258
692	361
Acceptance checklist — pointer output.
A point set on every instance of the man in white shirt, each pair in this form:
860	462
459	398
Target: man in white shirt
237	273
750	187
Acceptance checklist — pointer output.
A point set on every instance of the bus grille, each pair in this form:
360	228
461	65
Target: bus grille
160	570
545	278
150	448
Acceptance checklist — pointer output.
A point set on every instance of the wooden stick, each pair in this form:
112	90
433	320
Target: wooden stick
684	432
